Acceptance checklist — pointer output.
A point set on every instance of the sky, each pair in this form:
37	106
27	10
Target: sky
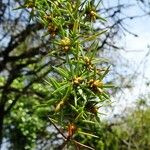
134	51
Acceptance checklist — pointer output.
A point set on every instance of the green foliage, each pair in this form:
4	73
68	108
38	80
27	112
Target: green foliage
25	123
136	127
74	89
78	88
127	132
62	110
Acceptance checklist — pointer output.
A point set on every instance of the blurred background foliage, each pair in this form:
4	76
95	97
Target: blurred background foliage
25	62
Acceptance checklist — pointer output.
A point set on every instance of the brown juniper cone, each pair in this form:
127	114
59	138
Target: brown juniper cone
65	44
96	85
93	110
72	128
52	30
77	80
91	107
92	15
88	63
48	18
30	5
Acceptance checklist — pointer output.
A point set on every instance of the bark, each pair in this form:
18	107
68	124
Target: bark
1	123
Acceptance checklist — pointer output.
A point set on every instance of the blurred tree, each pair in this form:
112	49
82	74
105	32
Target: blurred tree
22	64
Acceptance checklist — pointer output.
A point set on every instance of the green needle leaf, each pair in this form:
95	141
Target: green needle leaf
60	89
88	134
105	73
62	72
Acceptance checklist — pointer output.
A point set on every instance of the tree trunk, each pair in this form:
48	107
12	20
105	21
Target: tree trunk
1	124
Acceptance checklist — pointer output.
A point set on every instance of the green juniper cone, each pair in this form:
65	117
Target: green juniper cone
76	83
